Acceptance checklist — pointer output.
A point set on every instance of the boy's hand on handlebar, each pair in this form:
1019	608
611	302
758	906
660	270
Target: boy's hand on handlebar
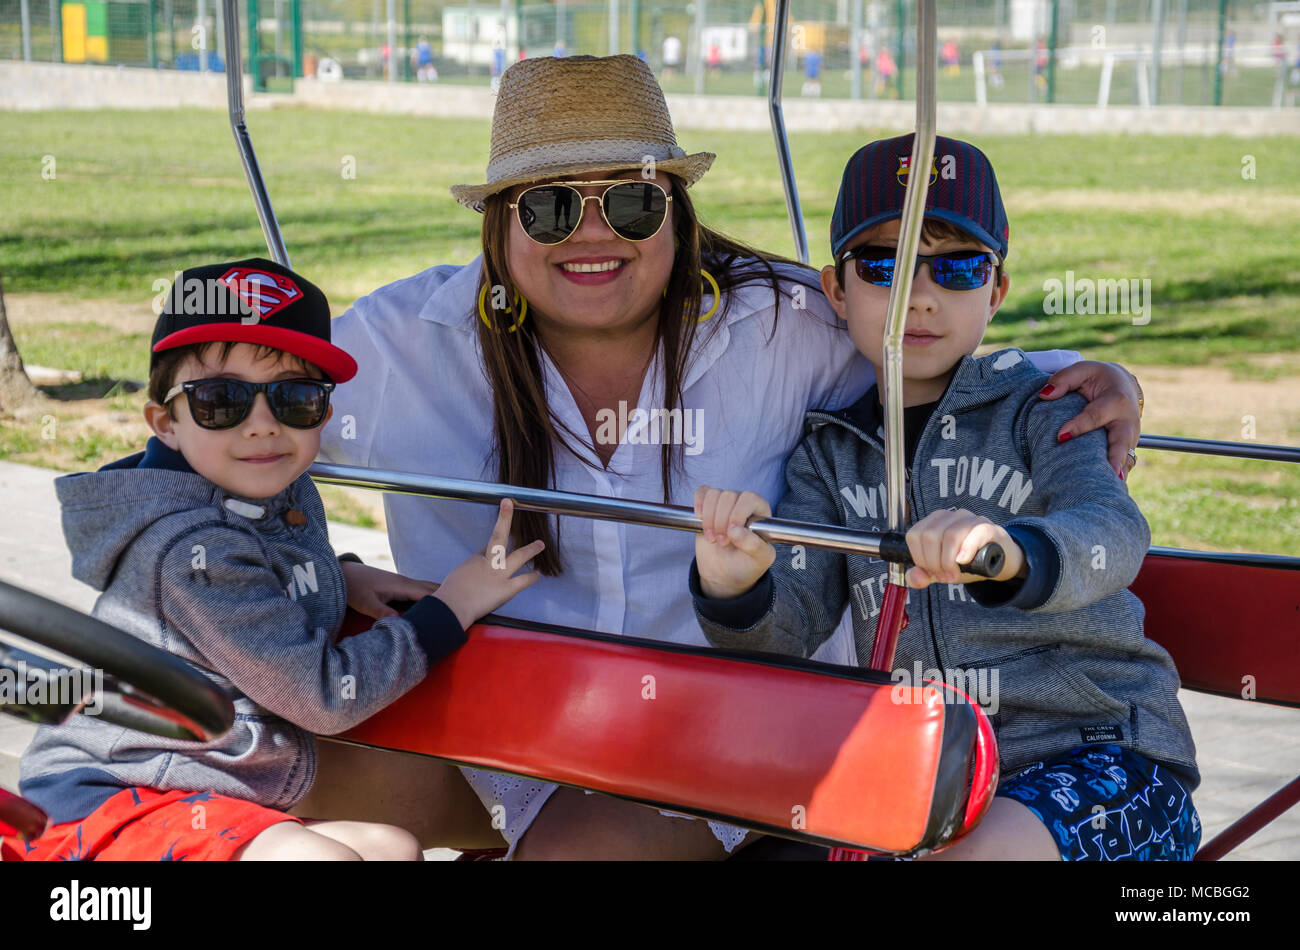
943	539
487	580
370	589
730	557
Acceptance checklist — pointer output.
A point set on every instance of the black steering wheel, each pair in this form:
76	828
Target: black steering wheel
137	685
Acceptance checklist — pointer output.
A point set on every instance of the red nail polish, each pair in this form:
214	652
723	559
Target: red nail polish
1120	473
1046	390
1064	438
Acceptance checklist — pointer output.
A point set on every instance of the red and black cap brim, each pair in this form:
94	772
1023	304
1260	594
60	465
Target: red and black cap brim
335	363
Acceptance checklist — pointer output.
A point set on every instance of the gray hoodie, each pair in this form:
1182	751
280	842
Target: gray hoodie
1058	659
252	601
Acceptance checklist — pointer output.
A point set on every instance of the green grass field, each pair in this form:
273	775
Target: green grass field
136	196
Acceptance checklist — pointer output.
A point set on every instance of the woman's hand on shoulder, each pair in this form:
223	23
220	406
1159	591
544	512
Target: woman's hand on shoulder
730	557
1114	403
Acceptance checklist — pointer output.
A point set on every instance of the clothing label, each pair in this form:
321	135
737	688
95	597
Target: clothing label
1102	734
245	509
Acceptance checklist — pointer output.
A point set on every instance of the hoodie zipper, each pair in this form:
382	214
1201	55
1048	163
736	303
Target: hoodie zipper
929	591
910	491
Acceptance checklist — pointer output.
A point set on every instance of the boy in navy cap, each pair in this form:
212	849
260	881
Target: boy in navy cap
212	544
1097	759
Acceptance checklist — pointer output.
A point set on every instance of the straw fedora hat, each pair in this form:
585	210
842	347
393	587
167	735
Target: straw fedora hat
577	114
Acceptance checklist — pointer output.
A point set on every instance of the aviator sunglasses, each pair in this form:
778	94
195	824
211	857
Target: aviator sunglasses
634	210
222	403
956	270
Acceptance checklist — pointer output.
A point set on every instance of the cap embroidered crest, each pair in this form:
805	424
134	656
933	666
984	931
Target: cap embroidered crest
904	161
265	292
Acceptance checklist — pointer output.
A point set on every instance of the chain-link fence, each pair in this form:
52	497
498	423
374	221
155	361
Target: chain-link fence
1191	52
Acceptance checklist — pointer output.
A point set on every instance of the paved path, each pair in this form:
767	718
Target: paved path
1246	751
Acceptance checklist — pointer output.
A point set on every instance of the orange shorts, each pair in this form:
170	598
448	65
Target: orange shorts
144	824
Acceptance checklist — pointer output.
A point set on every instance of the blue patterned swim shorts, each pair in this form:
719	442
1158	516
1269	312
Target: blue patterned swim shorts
1106	803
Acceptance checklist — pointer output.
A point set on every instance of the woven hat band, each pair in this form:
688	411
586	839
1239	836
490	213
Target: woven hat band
524	161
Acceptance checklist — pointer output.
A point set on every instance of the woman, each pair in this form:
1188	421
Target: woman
526	366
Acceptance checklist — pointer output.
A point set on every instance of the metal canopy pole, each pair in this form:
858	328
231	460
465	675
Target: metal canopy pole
909	239
235	102
779	31
893	608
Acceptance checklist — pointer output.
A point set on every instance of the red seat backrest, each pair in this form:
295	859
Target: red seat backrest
1224	622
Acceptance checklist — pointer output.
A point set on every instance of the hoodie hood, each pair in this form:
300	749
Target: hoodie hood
105	511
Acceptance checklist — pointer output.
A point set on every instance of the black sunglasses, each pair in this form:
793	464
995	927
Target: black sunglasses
634	210
956	270
222	403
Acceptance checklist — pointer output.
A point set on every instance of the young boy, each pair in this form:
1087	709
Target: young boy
212	544
1097	759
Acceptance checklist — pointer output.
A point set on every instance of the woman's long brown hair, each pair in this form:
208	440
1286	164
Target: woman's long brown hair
525	431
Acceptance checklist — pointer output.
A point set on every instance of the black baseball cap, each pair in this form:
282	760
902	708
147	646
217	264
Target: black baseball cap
252	301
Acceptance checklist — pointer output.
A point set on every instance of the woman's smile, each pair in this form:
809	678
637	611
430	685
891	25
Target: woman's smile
592	270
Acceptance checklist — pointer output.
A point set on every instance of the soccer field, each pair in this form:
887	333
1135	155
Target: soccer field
100	205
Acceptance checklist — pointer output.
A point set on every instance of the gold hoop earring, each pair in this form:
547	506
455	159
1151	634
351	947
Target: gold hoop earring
717	295
520	304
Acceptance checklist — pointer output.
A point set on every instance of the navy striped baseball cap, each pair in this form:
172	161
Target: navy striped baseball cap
963	191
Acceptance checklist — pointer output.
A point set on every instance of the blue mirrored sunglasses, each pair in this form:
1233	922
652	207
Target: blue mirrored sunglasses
957	270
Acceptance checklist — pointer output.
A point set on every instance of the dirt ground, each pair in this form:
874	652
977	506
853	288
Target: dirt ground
33	309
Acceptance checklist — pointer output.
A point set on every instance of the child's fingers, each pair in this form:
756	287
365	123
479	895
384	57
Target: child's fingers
925	541
707	508
954	540
700	494
978	536
747	541
501	530
373	607
748	506
722	515
521	556
522	582
407	588
918	577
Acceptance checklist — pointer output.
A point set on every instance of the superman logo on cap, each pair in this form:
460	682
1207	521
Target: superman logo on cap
905	160
265	292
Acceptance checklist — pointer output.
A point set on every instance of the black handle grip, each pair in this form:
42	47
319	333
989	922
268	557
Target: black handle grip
988	561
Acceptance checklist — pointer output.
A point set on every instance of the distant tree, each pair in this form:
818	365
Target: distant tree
15	388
